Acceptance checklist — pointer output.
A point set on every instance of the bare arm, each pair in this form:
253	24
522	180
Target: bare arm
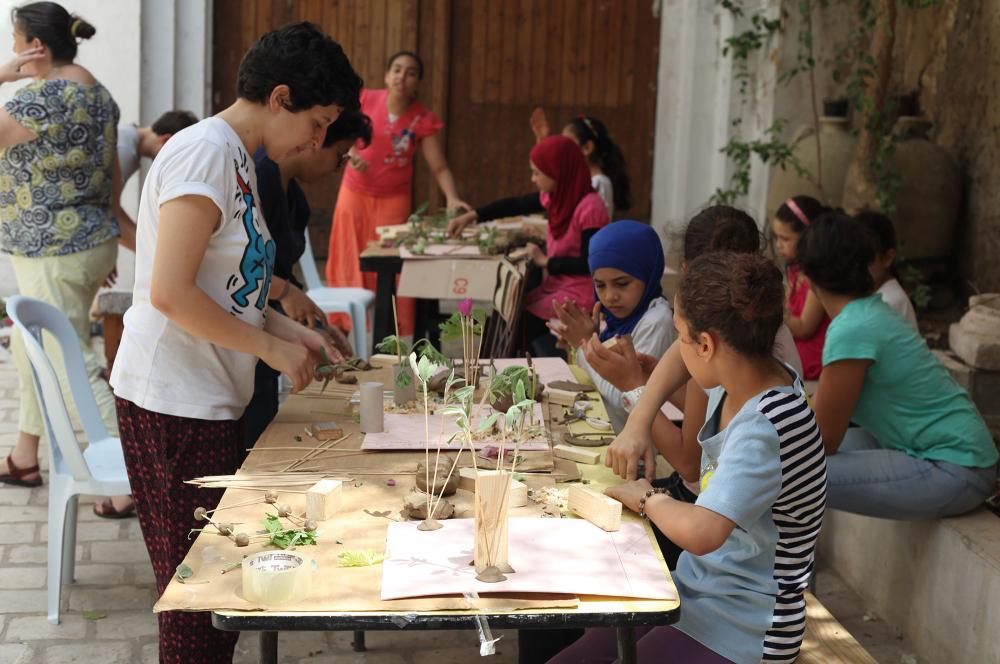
836	397
804	325
434	154
13	132
185	228
125	222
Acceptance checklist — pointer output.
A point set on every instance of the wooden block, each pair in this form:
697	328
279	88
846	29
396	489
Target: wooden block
323	499
325	431
612	344
491	506
518	490
518	254
577	454
600	510
467	479
562	397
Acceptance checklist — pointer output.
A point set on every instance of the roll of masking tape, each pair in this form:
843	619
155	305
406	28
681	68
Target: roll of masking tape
276	577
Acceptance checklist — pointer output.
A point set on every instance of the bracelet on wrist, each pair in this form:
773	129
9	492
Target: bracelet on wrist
642	501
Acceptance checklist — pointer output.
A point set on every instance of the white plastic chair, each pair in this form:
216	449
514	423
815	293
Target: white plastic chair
99	470
352	301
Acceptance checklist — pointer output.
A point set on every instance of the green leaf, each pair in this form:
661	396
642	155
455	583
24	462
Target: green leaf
359	558
489	422
184	572
94	615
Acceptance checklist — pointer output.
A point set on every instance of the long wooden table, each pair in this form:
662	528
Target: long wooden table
350	599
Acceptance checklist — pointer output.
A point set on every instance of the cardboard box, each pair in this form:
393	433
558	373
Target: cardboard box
449	279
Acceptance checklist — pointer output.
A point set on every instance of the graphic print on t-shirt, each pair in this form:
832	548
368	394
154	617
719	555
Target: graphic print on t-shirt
257	264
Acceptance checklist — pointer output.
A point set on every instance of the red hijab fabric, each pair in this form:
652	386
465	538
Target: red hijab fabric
560	158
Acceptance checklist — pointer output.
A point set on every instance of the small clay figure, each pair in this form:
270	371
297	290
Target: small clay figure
440	479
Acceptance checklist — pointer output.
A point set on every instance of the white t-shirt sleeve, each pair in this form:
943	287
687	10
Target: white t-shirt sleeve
128	150
893	294
200	168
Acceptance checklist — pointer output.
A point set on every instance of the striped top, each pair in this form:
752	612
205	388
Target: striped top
766	471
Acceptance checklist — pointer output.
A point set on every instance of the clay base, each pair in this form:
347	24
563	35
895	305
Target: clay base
429	524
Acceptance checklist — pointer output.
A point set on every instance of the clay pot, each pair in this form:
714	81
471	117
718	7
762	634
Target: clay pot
507	401
837	143
438	480
929	197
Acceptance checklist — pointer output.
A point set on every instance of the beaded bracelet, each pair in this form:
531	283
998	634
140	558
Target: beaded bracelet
642	501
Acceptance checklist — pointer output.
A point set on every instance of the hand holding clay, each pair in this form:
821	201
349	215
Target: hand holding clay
625	451
619	366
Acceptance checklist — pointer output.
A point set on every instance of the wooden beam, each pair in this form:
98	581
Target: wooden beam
590	457
518	490
492	503
602	511
562	397
323	499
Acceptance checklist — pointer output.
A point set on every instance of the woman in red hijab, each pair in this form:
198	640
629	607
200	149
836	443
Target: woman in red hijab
575	212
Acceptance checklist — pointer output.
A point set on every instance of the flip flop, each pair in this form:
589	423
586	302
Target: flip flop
15	476
108	510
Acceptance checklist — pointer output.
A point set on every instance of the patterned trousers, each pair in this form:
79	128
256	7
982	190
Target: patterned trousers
161	451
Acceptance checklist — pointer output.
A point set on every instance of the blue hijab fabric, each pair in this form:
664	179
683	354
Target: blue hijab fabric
634	248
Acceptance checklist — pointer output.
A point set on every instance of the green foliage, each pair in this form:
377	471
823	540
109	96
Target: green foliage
502	384
392	345
359	558
770	149
286	538
451	328
915	282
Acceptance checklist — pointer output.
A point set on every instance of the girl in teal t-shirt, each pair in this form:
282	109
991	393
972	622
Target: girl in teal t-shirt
921	450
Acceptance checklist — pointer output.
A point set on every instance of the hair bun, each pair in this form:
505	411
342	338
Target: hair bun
80	29
756	288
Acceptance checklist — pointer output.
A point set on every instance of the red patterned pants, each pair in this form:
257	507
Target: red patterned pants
161	451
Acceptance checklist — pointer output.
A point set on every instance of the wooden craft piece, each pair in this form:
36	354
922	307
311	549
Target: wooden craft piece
323	499
518	490
491	523
325	430
563	397
590	457
518	254
598	440
467	479
602	511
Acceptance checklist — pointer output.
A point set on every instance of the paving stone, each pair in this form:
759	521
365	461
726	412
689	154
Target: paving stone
119	552
91	532
36	628
36	553
22	513
301	644
127	625
151	653
22	601
16	653
112	599
17	532
13	495
105	575
143	574
117	652
13	578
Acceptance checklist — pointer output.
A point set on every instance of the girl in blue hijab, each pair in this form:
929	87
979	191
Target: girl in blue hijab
626	263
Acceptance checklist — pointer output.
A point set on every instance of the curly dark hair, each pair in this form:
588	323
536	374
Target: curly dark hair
350	124
606	154
172	122
721	228
809	206
53	26
834	253
737	295
301	56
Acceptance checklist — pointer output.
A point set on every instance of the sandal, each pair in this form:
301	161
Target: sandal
16	476
108	510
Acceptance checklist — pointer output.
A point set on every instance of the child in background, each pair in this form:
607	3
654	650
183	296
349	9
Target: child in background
607	163
575	214
880	230
626	262
805	316
920	450
749	538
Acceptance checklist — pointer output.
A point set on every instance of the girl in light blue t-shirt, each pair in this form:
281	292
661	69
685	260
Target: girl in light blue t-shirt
748	540
921	450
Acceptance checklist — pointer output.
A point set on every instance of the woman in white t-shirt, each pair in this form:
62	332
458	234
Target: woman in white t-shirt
880	230
199	319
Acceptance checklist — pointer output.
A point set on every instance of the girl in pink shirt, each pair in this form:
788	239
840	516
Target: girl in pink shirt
376	187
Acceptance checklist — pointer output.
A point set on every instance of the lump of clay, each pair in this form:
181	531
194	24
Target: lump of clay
438	479
415	507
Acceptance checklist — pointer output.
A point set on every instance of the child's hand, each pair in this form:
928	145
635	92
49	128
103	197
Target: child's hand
625	451
536	255
629	493
300	308
458	224
294	360
619	366
539	123
576	326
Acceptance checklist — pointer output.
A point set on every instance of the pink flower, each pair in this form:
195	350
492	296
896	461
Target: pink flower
465	307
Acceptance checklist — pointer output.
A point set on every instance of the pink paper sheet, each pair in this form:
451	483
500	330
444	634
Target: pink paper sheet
549	369
406	432
444	251
570	556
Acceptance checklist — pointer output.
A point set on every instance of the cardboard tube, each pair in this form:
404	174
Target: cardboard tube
275	577
372	408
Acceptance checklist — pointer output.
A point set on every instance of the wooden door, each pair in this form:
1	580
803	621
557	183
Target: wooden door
488	64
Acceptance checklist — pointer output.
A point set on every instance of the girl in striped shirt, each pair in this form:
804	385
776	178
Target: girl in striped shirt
750	536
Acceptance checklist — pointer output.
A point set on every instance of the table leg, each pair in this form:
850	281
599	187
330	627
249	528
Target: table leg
268	648
383	323
359	641
626	645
